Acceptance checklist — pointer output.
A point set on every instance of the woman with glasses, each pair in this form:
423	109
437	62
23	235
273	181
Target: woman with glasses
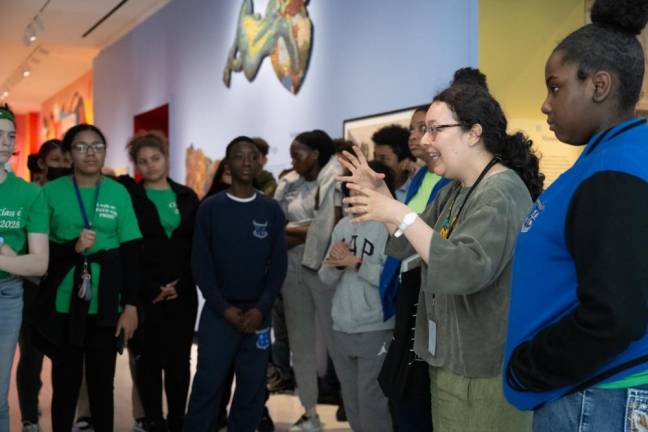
465	242
87	303
23	251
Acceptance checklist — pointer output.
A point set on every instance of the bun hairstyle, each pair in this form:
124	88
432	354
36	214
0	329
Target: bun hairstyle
473	104
469	76
318	140
610	44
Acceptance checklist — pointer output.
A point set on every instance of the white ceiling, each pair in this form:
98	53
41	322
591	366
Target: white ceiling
70	55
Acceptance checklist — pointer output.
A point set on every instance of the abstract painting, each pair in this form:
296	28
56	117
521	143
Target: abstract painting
283	33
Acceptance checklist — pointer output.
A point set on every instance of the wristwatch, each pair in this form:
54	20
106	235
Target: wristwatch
407	221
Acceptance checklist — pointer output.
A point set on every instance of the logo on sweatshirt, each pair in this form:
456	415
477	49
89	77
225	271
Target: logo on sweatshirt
260	229
534	214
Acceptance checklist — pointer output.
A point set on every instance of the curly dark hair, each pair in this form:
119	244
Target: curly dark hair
153	139
610	44
473	104
468	75
396	138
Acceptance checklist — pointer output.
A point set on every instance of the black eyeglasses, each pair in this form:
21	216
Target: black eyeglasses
434	130
96	147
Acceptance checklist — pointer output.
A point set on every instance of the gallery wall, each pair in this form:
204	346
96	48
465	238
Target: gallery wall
368	56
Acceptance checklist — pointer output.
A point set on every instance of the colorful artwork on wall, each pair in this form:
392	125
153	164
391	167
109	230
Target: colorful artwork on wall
67	108
200	170
283	33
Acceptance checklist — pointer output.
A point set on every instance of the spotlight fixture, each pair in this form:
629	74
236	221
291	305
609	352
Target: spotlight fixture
24	70
35	27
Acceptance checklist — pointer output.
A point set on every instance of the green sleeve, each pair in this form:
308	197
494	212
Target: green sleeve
38	219
128	227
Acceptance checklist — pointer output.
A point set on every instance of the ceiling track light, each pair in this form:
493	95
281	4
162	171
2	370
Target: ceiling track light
35	27
23	71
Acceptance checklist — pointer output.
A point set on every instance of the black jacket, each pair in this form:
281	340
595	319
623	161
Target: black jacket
165	259
117	284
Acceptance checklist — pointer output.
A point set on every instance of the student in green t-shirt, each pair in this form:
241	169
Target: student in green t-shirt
23	251
168	300
88	299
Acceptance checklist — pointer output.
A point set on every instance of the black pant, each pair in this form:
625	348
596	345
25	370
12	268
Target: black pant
28	372
100	356
163	345
280	347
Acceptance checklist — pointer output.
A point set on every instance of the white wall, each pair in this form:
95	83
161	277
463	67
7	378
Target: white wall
368	56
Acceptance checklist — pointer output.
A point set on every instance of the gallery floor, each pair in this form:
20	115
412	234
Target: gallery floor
284	409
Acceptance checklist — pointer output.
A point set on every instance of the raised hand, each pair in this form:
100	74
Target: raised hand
369	205
361	173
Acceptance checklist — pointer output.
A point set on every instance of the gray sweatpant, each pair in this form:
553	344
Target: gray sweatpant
358	358
305	298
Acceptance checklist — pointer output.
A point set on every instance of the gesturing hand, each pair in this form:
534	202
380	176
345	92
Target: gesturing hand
359	169
369	205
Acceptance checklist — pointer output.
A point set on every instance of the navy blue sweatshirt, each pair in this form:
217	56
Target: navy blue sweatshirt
239	252
579	301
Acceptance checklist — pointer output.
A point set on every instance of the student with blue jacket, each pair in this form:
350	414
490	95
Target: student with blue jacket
577	345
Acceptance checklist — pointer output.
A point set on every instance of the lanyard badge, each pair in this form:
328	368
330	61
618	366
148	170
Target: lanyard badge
85	287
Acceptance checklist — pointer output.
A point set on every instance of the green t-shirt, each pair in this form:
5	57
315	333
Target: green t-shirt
419	201
167	208
22	211
640	378
113	220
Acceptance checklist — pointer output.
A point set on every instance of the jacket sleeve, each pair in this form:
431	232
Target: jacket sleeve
202	262
331	275
606	232
479	248
278	266
186	271
130	252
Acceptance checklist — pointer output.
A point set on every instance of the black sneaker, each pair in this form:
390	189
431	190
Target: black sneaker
83	424
221	423
266	424
340	414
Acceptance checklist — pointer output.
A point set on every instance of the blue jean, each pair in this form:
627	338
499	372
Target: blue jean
594	410
221	346
11	303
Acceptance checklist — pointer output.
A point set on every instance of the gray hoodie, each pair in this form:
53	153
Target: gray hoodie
356	303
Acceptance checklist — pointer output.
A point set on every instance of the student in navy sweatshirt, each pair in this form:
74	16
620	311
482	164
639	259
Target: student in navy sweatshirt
577	345
239	262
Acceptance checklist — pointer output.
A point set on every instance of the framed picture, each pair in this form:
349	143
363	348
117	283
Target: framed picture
642	105
360	129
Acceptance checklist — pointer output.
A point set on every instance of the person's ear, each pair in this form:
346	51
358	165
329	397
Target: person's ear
602	82
475	134
315	155
41	164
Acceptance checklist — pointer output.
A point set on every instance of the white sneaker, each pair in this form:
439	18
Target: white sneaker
307	424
